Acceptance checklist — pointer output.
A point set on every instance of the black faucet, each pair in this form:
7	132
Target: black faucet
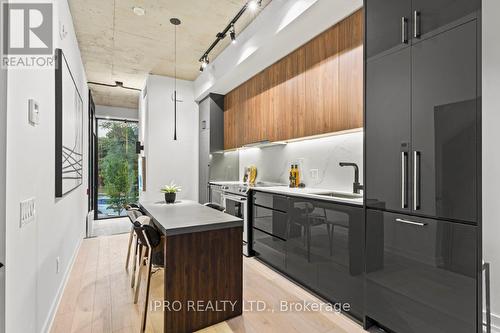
356	186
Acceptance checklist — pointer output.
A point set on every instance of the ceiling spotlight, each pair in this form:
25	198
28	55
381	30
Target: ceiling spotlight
139	11
254	4
205	62
232	33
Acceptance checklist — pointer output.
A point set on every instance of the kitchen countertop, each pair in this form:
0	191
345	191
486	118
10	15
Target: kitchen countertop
311	193
225	182
305	192
185	216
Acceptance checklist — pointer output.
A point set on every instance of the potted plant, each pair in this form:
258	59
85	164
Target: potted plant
170	192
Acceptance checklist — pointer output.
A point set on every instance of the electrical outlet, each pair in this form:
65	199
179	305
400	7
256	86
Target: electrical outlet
58	264
314	174
27	211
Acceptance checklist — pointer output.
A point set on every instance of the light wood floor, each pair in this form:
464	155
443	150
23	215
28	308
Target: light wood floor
98	298
108	227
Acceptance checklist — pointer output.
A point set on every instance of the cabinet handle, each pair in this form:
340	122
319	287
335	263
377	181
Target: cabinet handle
416	180
416	24
203	124
420	224
404	30
404	164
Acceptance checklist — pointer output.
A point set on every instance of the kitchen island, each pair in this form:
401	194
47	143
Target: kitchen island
203	264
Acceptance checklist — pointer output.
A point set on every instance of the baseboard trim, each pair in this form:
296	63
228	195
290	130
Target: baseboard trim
49	321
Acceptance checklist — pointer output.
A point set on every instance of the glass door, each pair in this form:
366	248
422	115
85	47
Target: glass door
117	167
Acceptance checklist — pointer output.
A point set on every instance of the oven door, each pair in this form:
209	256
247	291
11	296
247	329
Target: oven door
237	206
215	195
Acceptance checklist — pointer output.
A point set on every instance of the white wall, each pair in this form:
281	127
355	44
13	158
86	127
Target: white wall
168	160
32	284
280	28
3	130
103	111
491	153
324	154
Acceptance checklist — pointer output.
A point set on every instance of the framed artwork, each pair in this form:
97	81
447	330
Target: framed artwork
69	128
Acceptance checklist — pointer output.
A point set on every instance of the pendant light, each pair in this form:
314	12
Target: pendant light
175	21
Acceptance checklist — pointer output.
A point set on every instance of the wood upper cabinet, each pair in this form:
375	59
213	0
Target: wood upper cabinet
351	72
316	89
289	103
322	81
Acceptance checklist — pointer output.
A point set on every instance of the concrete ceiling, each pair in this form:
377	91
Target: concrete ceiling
117	45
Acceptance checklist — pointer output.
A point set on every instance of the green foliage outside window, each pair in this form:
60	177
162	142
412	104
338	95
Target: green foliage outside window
118	164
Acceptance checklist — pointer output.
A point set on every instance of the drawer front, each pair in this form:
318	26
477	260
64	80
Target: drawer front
269	200
270	249
421	273
270	221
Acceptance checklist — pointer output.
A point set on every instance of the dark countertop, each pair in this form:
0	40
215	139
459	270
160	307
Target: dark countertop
185	216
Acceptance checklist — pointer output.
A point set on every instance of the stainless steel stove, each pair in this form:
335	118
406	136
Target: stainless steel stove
243	188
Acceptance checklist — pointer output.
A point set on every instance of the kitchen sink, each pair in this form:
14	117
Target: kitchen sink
341	195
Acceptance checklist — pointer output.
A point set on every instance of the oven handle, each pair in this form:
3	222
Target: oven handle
235	198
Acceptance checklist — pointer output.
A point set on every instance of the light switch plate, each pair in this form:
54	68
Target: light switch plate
33	112
27	211
314	174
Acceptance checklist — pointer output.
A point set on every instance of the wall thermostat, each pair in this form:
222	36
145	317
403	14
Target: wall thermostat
33	112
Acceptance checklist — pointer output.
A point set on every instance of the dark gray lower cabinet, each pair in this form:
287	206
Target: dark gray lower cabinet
270	221
337	249
421	274
269	248
318	244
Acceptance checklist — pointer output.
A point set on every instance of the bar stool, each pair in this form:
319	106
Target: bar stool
149	239
138	255
133	212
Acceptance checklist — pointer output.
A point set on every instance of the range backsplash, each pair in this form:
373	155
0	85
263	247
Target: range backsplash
324	154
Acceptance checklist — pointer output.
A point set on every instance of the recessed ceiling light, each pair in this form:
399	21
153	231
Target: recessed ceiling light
139	11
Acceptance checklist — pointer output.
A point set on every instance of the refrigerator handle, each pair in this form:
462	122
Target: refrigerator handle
416	180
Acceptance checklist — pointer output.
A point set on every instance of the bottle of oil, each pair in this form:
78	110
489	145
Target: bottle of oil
297	175
292	176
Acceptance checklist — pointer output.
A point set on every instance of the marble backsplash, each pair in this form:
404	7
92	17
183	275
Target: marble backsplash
318	160
224	166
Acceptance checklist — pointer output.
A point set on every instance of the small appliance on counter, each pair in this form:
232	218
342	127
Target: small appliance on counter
250	175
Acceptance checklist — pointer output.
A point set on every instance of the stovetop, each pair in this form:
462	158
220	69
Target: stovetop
243	188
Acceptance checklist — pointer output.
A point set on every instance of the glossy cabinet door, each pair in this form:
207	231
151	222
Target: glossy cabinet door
204	108
387	26
444	125
216	123
204	149
270	200
434	16
325	250
270	221
338	251
387	130
421	274
270	249
204	165
302	219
